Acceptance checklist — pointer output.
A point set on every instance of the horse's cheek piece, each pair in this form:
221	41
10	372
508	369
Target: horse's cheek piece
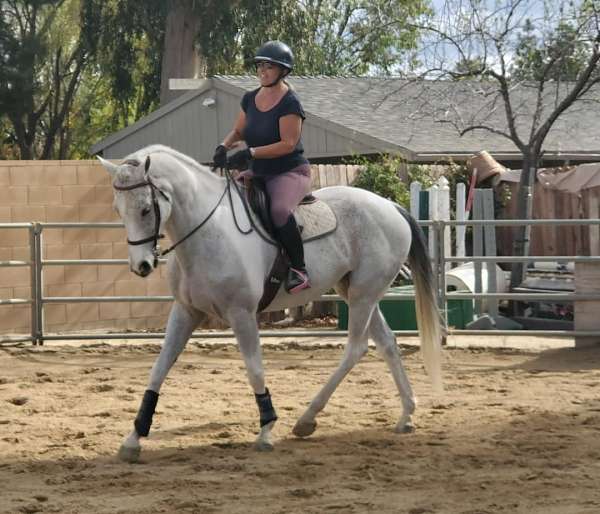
143	420
265	407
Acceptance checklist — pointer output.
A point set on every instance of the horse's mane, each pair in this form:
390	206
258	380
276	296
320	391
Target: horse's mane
141	154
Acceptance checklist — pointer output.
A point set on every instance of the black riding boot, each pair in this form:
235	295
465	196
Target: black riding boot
291	240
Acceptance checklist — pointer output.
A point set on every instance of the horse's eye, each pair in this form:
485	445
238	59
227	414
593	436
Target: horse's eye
145	211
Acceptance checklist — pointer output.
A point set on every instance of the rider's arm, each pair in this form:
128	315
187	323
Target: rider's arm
290	128
232	139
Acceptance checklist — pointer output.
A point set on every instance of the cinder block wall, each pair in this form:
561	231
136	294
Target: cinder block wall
70	191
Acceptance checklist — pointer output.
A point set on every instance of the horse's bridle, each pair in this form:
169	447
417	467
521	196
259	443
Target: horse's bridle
156	251
157	235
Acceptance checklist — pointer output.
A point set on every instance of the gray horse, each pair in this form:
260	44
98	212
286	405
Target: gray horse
216	269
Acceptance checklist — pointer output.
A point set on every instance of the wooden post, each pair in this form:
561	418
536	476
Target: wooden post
489	232
478	247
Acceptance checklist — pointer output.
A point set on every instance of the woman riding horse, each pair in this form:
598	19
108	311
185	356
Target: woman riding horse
270	122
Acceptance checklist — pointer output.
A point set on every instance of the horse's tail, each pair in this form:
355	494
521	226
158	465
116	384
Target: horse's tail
429	319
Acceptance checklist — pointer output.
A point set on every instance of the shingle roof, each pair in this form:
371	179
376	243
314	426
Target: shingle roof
422	116
417	119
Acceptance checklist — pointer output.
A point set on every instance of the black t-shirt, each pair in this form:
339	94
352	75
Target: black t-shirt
262	128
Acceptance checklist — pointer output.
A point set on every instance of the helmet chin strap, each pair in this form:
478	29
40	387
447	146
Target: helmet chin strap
284	73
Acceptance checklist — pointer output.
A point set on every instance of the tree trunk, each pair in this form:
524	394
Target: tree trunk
522	233
180	58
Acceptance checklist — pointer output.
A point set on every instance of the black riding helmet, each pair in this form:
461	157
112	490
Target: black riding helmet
277	53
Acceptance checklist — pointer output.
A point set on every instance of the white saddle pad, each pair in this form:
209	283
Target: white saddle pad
315	219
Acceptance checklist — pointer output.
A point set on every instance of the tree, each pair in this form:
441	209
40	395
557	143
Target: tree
127	40
329	37
528	62
41	62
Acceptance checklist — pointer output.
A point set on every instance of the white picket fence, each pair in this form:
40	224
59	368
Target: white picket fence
484	238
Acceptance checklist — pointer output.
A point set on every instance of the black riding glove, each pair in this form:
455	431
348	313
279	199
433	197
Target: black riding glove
220	157
240	160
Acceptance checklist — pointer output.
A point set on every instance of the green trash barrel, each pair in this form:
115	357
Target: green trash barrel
401	314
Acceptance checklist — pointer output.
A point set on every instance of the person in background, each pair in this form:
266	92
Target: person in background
270	122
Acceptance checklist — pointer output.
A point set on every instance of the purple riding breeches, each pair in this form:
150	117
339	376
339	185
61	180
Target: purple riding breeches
285	191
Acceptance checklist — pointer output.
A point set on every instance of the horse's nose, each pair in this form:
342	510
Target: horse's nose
145	269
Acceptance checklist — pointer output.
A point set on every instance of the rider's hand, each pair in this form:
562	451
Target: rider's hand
220	157
240	160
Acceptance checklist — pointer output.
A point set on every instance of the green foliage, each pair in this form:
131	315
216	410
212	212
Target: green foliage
127	39
560	55
329	37
42	58
382	177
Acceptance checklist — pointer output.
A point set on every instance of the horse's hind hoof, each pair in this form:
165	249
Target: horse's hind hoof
406	428
304	429
263	446
129	454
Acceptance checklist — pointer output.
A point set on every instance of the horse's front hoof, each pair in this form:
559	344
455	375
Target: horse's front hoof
304	428
129	454
263	446
404	428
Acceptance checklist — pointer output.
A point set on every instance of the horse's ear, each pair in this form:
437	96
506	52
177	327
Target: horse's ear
147	164
109	166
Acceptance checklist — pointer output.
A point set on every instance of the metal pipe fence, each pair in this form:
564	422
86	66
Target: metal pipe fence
37	300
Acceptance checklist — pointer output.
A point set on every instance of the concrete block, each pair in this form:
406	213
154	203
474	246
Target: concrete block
4	176
59	175
150	309
13	195
5	214
113	273
14	237
98	289
104	194
75	195
97	213
96	251
14	277
20	253
78	235
22	292
157	287
80	274
64	290
112	235
62	213
116	310
27	213
45	195
27	175
55	314
130	287
52	236
80	312
92	175
53	275
62	251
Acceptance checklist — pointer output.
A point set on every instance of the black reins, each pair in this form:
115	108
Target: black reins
156	251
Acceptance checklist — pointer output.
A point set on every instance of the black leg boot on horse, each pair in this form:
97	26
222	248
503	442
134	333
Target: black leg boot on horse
291	240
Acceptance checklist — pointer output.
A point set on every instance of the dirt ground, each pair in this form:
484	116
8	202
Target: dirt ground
517	431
